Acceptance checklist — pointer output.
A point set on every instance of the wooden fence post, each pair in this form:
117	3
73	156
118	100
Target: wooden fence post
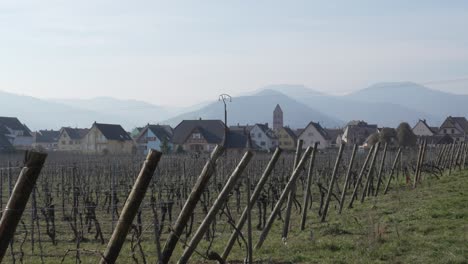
307	187
369	173
19	198
382	165
256	193
131	207
392	170
359	179
283	196
190	204
292	193
332	183
220	201
348	174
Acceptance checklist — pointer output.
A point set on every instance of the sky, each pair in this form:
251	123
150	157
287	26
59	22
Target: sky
184	52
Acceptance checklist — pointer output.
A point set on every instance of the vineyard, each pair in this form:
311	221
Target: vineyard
222	207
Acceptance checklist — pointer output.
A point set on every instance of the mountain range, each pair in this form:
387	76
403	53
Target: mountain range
385	104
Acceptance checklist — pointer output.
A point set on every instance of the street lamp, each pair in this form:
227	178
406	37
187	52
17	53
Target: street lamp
225	98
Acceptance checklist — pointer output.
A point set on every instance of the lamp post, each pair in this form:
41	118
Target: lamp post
225	98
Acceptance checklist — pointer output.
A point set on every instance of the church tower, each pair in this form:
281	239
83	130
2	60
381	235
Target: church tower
277	118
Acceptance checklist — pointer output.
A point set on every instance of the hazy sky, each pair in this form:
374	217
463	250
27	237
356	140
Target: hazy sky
183	52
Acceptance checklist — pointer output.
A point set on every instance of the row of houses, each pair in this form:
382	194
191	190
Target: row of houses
203	135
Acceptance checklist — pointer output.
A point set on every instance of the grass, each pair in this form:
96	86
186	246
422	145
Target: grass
423	225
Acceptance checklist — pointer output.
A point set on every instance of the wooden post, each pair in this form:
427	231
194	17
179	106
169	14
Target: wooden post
369	173
283	196
348	174
452	154
256	193
307	187
418	164
131	207
249	224
464	155
292	193
382	164
441	154
423	156
190	204
359	179
392	171
332	182
19	198
220	201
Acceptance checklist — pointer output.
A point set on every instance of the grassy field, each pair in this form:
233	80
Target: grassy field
423	225
428	224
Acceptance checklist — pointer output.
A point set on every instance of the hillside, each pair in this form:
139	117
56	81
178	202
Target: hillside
258	109
414	96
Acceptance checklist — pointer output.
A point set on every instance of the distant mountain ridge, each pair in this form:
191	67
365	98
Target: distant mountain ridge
259	109
385	104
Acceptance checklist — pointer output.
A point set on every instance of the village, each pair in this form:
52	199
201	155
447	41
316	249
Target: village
203	135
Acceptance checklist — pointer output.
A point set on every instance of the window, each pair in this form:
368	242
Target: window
453	131
252	135
259	134
71	142
445	131
310	134
196	136
262	143
64	142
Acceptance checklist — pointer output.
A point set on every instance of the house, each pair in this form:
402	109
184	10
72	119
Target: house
46	139
238	141
425	132
5	145
335	136
154	137
356	132
277	118
242	128
422	129
199	135
312	133
107	138
456	128
70	139
287	139
263	137
18	134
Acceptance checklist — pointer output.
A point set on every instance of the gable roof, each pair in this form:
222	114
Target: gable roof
47	136
299	131
4	130
238	139
423	121
462	122
334	133
290	132
160	131
5	143
265	129
113	131
75	133
14	124
319	128
212	130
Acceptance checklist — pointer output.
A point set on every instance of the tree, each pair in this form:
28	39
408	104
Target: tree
405	135
373	139
180	149
387	135
165	147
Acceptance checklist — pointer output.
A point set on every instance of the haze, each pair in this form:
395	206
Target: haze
181	53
